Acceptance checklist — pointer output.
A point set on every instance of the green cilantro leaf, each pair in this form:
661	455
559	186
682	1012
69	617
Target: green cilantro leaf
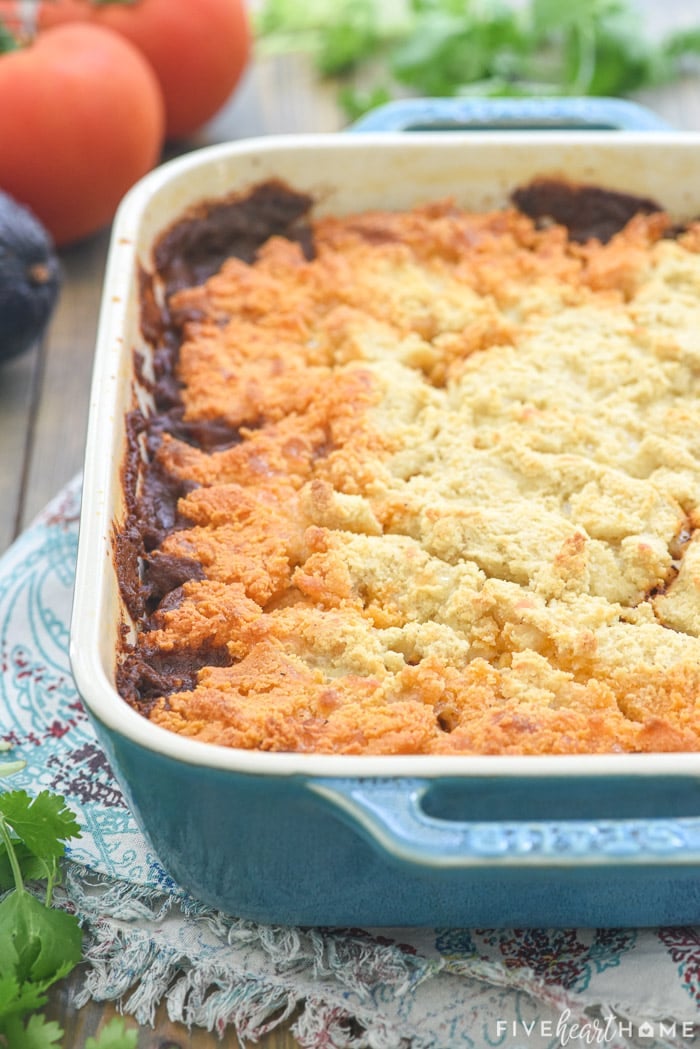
355	102
684	42
38	943
447	50
43	823
346	44
114	1036
46	943
32	867
468	47
41	1033
19	1000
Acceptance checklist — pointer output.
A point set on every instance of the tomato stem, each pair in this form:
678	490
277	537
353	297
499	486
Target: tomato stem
8	40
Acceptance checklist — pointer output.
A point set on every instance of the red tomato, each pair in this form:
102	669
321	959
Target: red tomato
198	48
82	120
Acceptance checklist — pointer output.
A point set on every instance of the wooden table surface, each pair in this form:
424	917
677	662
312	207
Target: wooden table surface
44	394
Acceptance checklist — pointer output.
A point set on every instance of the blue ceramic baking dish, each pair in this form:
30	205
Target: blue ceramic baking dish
323	840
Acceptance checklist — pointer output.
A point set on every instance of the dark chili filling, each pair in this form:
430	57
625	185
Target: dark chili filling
151	582
143	679
186	255
588	212
194	249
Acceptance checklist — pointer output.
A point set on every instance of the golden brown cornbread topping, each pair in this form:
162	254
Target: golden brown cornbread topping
459	514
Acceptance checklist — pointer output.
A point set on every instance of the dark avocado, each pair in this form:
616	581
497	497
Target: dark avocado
30	278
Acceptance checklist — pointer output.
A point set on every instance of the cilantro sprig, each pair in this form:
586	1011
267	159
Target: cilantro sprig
378	49
39	944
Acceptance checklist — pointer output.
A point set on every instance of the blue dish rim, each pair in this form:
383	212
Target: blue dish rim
523	114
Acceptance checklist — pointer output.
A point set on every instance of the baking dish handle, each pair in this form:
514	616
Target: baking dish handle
391	813
520	114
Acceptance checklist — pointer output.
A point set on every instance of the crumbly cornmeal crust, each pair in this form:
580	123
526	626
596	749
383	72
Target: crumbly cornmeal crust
461	518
